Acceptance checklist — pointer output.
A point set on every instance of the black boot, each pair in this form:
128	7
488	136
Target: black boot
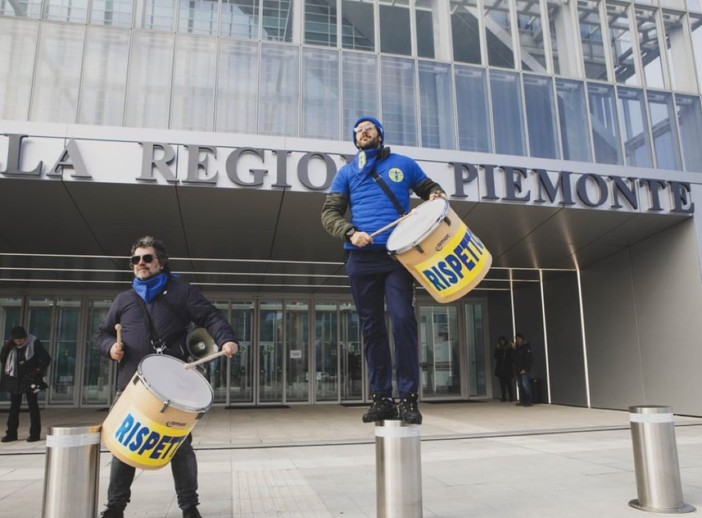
409	409
383	407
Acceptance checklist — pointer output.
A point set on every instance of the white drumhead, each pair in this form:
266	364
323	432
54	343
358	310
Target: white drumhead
418	225
168	380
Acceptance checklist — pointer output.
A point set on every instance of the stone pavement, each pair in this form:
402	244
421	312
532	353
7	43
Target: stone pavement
479	459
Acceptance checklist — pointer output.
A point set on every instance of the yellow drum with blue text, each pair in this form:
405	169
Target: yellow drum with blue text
440	251
154	415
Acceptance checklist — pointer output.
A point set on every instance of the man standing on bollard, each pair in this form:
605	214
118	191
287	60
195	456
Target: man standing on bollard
24	362
157	304
376	189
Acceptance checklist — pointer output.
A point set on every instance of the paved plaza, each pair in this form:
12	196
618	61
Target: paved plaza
479	459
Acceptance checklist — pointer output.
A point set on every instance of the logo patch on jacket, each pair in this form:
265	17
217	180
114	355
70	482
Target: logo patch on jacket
396	175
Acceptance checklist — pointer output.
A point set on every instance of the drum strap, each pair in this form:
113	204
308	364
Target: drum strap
156	341
381	183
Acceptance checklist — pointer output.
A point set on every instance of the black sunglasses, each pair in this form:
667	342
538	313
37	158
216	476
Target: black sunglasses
147	258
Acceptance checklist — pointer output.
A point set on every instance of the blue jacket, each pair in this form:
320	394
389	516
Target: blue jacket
171	313
369	206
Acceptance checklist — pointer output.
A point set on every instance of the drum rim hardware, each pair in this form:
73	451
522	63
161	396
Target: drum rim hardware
418	239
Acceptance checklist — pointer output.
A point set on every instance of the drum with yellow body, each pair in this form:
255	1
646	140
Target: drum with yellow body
440	251
159	408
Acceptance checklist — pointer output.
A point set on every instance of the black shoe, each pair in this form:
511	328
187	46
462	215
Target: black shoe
32	438
191	512
383	407
112	513
409	410
9	438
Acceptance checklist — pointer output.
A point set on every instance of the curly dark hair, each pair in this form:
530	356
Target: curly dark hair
157	245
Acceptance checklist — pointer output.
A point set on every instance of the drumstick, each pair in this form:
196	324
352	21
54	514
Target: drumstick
397	221
203	360
118	330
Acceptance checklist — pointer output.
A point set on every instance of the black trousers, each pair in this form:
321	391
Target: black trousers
34	415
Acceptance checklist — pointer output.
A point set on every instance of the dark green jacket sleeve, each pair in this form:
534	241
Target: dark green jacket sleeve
425	188
334	215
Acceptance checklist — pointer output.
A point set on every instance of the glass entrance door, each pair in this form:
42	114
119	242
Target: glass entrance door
351	350
270	357
439	355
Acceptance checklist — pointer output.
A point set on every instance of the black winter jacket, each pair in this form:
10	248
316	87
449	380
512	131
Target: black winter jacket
171	313
523	358
26	371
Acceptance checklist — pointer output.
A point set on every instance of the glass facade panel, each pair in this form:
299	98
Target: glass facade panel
241	368
498	33
439	355
680	58
399	103
395	28
696	36
465	31
198	16
425	32
57	73
572	116
634	127
541	116
605	125
320	22
19	39
474	124
117	13
622	44
97	369
149	85
271	352
531	33
297	346
360	88
24	8
239	19
689	117
279	90
277	20
664	130
507	113
352	363
649	47
357	25
436	106
157	15
326	348
320	94
591	40
237	87
104	80
75	11
192	103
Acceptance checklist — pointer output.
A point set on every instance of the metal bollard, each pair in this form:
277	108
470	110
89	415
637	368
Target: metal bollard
398	470
656	460
71	474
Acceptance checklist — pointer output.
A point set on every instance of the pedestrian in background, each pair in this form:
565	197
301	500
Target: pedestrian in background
24	362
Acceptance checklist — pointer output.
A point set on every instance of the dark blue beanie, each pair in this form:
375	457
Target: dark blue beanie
375	121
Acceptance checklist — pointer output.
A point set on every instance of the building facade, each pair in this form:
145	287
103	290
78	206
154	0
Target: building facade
567	134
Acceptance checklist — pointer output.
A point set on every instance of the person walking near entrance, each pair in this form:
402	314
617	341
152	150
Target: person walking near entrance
155	314
375	188
24	362
504	367
523	360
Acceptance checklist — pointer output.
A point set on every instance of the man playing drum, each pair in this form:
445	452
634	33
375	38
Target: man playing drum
376	189
154	316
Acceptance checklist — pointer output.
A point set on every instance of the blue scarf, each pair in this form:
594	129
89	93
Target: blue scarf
150	288
366	160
